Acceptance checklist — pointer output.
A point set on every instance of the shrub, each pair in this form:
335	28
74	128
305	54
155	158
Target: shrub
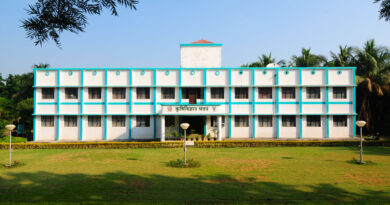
14	139
179	163
93	145
14	164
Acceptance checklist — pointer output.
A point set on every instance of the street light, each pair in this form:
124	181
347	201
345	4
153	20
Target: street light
185	126
10	128
361	124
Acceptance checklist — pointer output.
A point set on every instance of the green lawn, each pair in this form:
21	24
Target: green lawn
227	175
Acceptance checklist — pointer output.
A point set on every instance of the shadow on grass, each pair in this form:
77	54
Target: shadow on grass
118	187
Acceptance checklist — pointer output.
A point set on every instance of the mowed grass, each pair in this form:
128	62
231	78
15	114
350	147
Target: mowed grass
227	175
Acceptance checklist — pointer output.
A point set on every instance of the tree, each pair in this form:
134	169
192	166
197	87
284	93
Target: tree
49	18
264	60
344	58
41	65
373	69
307	59
384	11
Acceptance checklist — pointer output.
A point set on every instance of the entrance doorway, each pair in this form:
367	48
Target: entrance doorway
197	124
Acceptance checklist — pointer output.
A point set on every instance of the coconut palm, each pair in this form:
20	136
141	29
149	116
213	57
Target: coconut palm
344	58
373	69
41	65
264	60
307	59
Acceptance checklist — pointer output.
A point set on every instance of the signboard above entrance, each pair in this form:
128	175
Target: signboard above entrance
190	109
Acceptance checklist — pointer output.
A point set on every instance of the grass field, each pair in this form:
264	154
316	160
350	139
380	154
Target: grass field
227	175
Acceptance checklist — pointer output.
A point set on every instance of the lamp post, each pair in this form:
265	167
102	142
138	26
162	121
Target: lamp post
10	128
361	124
185	126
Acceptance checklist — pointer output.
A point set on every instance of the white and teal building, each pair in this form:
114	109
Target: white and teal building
109	104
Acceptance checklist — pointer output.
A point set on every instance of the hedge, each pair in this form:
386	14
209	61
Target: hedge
93	145
287	143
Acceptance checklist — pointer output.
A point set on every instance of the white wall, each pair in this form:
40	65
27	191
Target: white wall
200	56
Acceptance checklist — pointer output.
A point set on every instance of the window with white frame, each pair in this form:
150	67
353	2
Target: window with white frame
94	93
143	93
265	121
288	93
217	93
94	121
167	93
241	93
313	121
118	121
340	93
241	121
214	121
340	121
265	93
47	121
47	93
142	121
118	93
288	121
70	121
71	93
313	93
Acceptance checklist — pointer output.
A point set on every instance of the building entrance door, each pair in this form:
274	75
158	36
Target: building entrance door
196	124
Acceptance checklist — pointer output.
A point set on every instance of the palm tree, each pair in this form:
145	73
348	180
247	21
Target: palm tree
264	60
307	59
373	69
41	65
344	58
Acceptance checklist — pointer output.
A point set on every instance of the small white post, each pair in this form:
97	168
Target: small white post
162	128
219	119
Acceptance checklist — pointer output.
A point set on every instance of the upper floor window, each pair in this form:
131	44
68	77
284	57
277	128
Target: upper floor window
340	121
47	93
265	93
288	121
217	93
313	93
94	121
118	93
241	121
70	121
288	93
94	93
142	121
168	93
188	93
47	121
143	93
118	121
241	93
214	121
313	121
340	93
265	121
71	93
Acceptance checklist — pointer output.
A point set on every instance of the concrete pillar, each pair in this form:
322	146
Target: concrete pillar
219	119
162	128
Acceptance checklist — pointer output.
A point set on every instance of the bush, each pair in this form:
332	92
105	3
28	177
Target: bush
179	163
14	139
93	145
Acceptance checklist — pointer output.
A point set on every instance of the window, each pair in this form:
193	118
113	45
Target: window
47	121
47	93
241	121
71	93
168	93
340	93
265	93
288	93
214	121
70	121
118	93
118	121
339	121
241	93
94	121
169	121
217	93
265	121
143	93
143	121
94	93
186	92
313	93
313	121
288	121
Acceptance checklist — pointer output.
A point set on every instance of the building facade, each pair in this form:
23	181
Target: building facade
97	104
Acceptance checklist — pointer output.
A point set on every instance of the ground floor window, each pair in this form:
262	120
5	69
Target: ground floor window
118	121
340	121
47	121
94	121
288	121
313	121
70	121
241	121
214	121
265	121
169	121
143	121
